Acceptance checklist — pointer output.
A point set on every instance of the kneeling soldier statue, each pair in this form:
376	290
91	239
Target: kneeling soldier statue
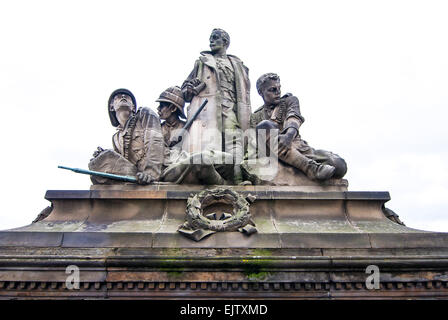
283	113
138	143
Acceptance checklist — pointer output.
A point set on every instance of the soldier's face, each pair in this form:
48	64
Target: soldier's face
271	92
165	110
217	43
123	106
122	101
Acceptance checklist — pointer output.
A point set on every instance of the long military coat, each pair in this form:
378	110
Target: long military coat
201	132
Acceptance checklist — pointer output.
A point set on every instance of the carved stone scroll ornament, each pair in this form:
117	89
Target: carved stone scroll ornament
200	224
391	215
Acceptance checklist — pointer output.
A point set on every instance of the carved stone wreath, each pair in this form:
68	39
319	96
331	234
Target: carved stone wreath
197	225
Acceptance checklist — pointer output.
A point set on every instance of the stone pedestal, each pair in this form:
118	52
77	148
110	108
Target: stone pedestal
311	243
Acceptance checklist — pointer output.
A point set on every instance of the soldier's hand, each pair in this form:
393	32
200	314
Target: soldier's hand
97	152
188	93
174	140
195	82
192	88
284	143
197	89
144	178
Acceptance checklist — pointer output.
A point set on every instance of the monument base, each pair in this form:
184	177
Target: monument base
309	244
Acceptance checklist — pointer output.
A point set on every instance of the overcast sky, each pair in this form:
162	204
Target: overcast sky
371	77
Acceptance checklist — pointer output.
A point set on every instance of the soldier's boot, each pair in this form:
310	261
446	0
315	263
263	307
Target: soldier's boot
208	175
234	147
238	177
313	170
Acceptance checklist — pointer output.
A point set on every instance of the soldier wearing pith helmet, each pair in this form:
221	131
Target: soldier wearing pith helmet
171	111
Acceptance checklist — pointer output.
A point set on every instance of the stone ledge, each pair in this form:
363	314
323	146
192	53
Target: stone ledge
224	240
268	194
39	273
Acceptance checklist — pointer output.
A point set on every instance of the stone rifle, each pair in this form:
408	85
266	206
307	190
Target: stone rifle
110	175
187	125
102	174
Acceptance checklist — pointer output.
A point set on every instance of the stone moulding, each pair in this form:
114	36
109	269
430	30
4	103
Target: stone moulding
309	244
107	273
210	290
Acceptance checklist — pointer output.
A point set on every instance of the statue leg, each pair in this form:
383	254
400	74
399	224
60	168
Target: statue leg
313	169
293	157
322	157
332	159
206	172
176	173
207	175
233	141
197	168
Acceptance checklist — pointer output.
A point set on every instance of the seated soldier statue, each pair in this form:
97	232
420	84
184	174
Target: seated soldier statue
180	166
137	145
282	113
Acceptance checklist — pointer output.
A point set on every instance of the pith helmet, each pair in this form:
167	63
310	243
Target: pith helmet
174	95
112	116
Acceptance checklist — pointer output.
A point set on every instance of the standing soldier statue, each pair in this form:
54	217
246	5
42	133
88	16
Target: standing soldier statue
222	79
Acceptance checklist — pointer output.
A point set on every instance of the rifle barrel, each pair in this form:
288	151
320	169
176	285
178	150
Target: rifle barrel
101	174
190	122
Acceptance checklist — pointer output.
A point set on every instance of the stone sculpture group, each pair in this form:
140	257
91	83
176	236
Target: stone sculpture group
225	144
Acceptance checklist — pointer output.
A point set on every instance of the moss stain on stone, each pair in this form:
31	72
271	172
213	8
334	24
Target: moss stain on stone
255	269
262	252
257	276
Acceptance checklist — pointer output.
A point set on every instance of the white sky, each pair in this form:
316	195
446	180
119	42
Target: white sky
371	76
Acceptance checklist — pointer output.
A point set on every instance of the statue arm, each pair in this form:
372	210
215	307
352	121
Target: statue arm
255	118
114	142
293	117
252	121
192	85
